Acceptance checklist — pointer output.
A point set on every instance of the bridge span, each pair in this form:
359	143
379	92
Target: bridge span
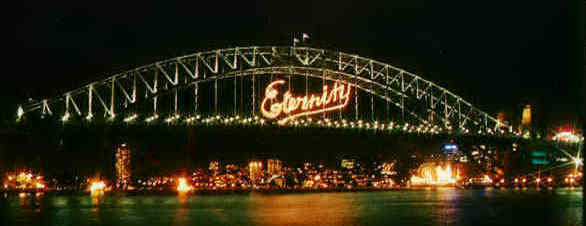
271	85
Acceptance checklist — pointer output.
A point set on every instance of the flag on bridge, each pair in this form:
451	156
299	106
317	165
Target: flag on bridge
295	41
305	36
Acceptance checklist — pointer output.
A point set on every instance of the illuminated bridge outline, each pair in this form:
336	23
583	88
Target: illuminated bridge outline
441	110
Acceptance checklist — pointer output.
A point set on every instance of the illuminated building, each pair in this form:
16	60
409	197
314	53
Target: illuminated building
214	166
231	168
274	166
255	168
451	151
568	137
24	181
123	167
430	173
97	188
388	168
182	185
526	118
525	126
348	163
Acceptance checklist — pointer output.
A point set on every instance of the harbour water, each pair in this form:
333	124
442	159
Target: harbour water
447	206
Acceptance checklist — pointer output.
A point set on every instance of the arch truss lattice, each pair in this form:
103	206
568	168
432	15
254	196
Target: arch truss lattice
436	106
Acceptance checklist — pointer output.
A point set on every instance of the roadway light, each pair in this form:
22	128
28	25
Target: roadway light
19	112
577	162
65	117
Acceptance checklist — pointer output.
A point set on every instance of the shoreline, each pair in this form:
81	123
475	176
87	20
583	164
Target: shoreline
275	191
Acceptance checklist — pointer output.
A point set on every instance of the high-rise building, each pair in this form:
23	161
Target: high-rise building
214	166
274	166
525	119
255	168
122	165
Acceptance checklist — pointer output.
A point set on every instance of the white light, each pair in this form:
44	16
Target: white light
65	117
19	112
577	162
130	118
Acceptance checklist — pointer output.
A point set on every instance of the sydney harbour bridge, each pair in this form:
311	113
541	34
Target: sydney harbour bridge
274	85
277	87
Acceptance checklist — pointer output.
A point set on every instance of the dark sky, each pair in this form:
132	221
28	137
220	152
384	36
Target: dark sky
498	55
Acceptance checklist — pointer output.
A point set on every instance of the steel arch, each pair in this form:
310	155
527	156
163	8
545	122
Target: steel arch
441	106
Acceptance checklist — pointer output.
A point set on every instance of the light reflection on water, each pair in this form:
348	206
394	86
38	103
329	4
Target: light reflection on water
422	207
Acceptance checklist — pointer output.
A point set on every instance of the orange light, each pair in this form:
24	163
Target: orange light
182	185
296	106
97	187
430	175
486	179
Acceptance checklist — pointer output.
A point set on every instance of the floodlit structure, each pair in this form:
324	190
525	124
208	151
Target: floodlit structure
25	180
182	185
430	173
568	137
348	88
97	188
388	168
525	126
214	166
348	163
526	117
122	165
274	166
255	171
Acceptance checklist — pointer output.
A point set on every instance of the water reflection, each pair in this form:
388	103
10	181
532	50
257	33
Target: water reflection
96	199
181	215
446	206
304	209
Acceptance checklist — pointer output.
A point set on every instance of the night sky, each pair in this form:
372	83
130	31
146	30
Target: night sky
499	55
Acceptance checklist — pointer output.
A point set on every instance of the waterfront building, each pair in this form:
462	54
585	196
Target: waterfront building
274	166
525	127
348	163
122	165
214	167
255	171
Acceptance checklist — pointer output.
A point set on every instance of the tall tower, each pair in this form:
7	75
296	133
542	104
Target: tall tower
122	167
526	119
